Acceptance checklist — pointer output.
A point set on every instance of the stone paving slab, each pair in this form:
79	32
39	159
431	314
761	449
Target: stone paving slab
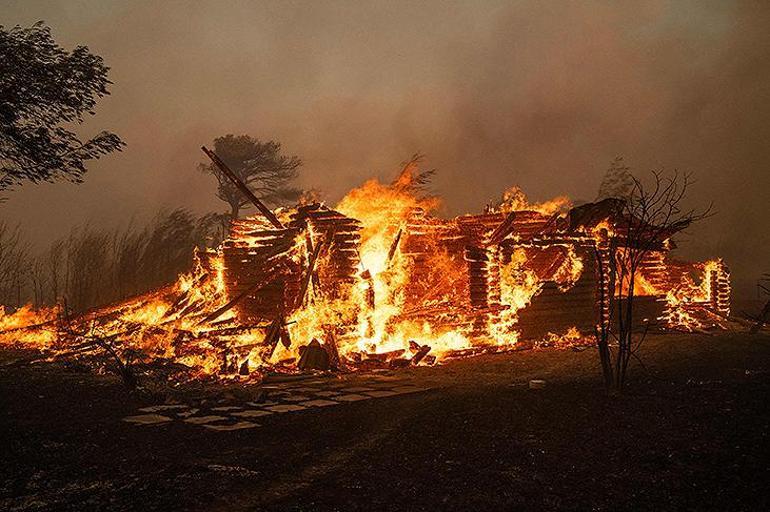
162	408
382	393
295	398
327	393
241	425
251	413
409	389
282	398
351	397
318	403
202	420
147	419
285	408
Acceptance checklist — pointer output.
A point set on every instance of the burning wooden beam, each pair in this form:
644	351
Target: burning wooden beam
394	245
502	230
309	272
268	277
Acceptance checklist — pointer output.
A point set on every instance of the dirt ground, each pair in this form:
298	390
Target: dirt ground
691	433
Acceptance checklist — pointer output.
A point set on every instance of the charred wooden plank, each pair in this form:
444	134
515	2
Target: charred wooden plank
309	273
420	355
503	230
394	245
385	356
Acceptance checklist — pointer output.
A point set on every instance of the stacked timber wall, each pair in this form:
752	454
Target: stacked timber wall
248	258
335	272
253	250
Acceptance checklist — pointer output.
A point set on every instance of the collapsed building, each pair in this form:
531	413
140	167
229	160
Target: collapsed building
471	274
380	280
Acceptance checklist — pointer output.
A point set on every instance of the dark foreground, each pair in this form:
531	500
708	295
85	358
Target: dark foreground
690	434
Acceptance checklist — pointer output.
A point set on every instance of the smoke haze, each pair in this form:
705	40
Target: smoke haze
538	94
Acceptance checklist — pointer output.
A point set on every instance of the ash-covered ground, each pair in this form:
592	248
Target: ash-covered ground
690	433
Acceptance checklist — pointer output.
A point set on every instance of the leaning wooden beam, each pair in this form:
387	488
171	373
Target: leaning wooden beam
268	278
548	224
502	230
394	245
309	273
181	302
243	188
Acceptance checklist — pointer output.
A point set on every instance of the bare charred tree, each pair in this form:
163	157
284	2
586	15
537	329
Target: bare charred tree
52	264
87	260
645	219
39	281
91	267
260	165
14	266
763	288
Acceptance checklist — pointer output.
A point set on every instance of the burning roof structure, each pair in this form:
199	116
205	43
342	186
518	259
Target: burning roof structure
379	281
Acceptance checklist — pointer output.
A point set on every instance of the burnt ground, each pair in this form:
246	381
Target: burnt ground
691	433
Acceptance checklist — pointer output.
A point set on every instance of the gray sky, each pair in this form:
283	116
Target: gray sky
534	93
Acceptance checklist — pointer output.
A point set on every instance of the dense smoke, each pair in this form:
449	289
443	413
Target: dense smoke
538	94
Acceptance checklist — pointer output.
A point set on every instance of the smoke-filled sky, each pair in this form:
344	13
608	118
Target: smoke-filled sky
541	94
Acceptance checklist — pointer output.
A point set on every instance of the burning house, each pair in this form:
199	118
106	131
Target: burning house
378	280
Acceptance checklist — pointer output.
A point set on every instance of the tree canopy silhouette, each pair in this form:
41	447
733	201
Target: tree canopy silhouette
617	182
260	165
44	88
